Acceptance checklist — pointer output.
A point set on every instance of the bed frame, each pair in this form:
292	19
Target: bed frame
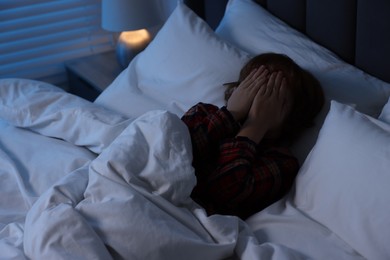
356	30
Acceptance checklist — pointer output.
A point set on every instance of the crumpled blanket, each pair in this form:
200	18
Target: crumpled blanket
133	202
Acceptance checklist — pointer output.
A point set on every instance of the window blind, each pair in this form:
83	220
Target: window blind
38	36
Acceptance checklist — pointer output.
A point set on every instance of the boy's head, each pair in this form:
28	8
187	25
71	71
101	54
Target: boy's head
306	91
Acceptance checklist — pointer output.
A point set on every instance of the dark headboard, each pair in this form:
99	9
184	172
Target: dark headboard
356	30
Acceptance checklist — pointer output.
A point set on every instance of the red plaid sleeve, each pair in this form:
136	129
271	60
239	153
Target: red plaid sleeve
208	126
249	177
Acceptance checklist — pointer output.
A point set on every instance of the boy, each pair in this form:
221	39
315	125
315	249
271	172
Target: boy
241	157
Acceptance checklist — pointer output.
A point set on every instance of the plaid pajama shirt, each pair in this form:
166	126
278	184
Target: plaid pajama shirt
235	176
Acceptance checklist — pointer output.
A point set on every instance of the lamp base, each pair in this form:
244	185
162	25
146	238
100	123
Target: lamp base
130	44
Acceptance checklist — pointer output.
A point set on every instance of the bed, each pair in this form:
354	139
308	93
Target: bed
111	179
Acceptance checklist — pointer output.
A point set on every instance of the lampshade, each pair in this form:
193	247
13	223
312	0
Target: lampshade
126	15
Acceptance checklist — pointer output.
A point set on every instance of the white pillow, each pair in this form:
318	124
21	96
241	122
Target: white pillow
344	183
249	26
346	85
385	115
50	111
185	63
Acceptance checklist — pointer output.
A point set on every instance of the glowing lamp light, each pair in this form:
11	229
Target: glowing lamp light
131	43
131	18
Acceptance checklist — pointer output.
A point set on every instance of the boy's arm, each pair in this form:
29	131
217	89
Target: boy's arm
246	181
208	126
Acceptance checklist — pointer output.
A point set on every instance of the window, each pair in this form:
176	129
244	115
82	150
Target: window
38	36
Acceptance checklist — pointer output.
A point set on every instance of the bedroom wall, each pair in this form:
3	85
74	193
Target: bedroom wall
166	7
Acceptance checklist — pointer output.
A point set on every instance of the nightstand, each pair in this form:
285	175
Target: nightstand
89	76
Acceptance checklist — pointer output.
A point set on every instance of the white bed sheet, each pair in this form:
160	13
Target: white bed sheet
284	224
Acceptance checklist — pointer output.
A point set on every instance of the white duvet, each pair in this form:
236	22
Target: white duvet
133	198
82	182
115	188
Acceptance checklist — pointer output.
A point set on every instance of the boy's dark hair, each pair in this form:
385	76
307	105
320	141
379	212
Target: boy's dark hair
308	97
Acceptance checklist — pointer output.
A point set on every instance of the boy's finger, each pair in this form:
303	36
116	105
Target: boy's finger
256	73
278	80
248	78
271	81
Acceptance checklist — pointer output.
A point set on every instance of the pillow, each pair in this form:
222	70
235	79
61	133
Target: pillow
252	28
385	115
185	63
50	111
346	85
344	182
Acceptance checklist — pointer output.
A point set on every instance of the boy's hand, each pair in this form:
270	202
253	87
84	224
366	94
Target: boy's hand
242	97
270	107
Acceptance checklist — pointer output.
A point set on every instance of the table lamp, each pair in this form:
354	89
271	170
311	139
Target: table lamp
131	18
